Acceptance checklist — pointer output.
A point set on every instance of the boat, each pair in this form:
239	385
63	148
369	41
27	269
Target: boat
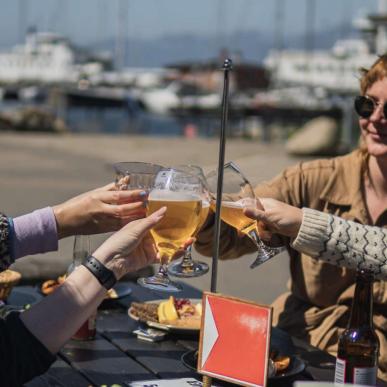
336	70
177	95
46	58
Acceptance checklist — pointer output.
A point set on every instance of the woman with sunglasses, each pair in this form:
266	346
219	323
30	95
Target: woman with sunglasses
353	187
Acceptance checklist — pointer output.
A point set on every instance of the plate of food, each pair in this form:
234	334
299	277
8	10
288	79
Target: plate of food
119	290
173	314
279	366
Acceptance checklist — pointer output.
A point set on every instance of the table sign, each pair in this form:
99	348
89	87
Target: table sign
184	382
234	340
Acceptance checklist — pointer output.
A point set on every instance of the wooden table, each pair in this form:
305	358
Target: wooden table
116	356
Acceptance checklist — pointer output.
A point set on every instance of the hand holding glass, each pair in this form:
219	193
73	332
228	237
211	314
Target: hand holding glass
237	194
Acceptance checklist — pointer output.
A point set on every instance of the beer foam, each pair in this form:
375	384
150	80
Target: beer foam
163	194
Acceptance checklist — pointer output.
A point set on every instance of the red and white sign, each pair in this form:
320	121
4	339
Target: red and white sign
234	340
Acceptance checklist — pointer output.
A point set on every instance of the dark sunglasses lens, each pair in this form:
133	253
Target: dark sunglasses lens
364	106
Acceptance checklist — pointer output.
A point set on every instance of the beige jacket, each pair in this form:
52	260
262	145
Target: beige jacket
316	308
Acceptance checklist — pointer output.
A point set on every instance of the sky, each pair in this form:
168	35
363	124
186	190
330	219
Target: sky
89	21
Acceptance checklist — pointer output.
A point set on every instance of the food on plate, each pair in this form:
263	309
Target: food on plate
179	312
111	293
281	363
50	285
167	312
8	279
145	311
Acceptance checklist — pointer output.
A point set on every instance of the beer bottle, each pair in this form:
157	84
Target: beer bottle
358	349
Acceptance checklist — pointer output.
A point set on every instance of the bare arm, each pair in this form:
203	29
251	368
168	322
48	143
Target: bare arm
55	319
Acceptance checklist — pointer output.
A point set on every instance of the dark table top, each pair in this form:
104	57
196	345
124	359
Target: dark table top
116	356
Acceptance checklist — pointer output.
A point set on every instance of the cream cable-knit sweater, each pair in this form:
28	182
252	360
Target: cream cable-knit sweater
342	242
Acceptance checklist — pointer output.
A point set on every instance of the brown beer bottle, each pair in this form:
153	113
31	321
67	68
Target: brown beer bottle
358	349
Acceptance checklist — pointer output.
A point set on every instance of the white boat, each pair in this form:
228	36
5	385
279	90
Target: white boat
336	70
177	95
45	57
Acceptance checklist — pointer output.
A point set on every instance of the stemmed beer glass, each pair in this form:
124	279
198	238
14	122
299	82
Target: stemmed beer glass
238	194
180	193
187	267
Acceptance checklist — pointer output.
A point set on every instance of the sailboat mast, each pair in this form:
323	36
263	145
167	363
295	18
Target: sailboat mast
381	34
122	28
23	12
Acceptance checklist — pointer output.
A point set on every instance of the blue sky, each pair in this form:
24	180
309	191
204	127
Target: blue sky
88	21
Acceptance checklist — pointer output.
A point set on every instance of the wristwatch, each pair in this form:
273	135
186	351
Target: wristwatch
104	276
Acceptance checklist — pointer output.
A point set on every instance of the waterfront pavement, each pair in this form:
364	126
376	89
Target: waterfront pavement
37	170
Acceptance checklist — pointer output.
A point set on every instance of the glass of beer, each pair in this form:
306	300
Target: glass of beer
187	267
178	191
237	194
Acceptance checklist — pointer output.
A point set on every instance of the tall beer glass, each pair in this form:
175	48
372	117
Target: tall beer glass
237	195
187	267
178	191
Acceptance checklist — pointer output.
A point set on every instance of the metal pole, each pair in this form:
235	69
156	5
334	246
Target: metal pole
227	66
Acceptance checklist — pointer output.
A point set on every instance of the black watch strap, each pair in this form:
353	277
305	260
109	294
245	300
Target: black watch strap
105	276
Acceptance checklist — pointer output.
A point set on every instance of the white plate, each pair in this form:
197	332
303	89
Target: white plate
167	327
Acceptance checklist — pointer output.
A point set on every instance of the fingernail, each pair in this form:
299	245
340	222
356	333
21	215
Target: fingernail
143	193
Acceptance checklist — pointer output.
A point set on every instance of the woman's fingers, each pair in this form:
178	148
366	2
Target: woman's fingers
122	197
144	225
255	213
263	222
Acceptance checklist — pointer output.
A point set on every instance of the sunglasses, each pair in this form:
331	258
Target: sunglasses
365	106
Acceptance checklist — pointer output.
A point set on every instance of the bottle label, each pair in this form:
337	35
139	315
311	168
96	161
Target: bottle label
340	371
360	375
365	375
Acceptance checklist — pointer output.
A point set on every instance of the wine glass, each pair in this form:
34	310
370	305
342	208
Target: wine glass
237	195
187	267
135	174
180	193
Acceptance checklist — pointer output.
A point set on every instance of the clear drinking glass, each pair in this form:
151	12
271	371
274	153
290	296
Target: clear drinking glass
180	193
135	174
237	194
187	267
81	250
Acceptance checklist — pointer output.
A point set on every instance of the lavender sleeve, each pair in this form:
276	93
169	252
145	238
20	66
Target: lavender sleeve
34	233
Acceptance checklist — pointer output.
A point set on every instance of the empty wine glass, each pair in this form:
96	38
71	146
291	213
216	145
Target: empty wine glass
237	195
135	174
180	193
187	267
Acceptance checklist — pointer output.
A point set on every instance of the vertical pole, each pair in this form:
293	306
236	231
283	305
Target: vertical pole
227	66
122	35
